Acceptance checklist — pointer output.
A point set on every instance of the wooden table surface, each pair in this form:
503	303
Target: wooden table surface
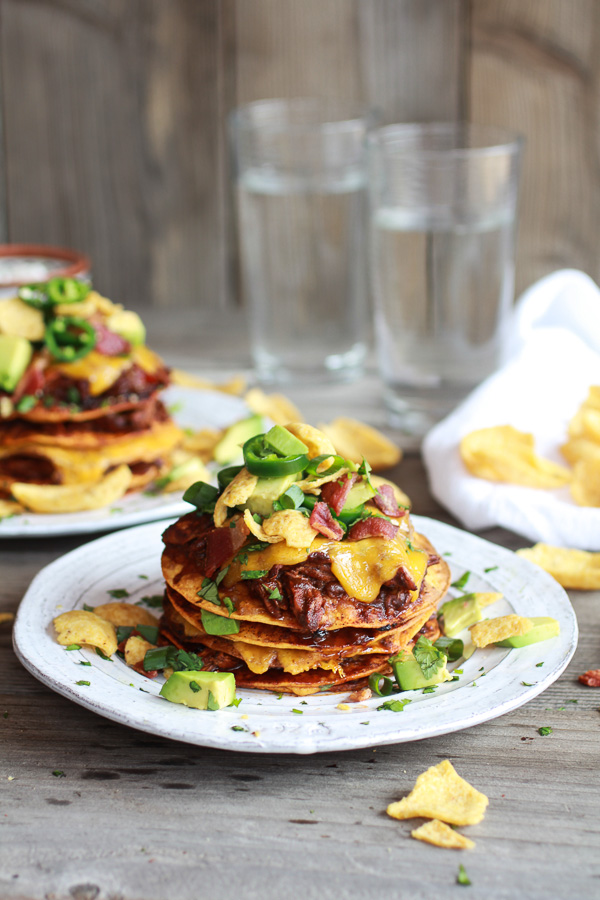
144	818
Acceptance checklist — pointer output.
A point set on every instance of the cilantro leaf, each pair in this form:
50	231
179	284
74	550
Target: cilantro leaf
429	658
250	574
194	687
155	601
461	582
209	591
118	593
544	730
394	705
462	877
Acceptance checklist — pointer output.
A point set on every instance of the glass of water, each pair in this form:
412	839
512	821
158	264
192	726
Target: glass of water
443	202
301	198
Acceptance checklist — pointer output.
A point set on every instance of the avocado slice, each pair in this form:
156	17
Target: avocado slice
15	356
284	442
200	690
358	494
544	628
265	493
129	325
460	613
410	676
229	446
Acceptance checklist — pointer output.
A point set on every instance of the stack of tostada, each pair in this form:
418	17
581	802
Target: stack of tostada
79	391
301	572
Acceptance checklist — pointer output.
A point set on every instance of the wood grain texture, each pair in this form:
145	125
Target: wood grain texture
114	141
137	816
535	68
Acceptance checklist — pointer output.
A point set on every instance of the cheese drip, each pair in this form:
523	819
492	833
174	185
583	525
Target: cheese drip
102	371
293	662
361	567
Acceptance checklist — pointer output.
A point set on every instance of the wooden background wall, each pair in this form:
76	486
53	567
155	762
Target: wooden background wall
114	117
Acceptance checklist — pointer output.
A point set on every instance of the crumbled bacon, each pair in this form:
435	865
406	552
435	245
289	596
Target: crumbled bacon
591	678
222	544
109	343
372	527
335	493
385	500
323	522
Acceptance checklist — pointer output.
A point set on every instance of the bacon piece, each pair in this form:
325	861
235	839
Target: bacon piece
32	381
386	501
335	493
591	678
109	343
372	527
222	544
323	522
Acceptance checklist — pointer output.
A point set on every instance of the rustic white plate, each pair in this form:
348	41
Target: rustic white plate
494	681
191	409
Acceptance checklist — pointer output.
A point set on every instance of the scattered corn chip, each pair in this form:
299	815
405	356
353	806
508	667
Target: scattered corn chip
585	487
6	617
580	449
492	630
9	508
317	443
291	526
22	320
585	424
237	492
576	569
51	498
441	835
275	406
235	385
135	649
504	454
440	793
354	440
313	485
81	627
202	442
125	614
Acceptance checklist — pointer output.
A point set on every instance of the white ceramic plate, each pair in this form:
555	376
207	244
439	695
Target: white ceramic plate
269	724
191	409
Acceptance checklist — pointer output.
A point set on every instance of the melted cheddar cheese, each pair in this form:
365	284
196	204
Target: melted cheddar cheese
293	662
102	371
361	567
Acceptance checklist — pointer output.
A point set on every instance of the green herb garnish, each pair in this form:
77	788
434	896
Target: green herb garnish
88	608
83	662
86	683
148	632
429	658
123	632
453	648
490	569
544	730
209	591
194	686
238	728
539	665
462	877
58	773
250	574
275	594
118	593
73	647
155	601
298	712
27	402
102	655
394	705
217	625
461	582
212	703
228	604
203	496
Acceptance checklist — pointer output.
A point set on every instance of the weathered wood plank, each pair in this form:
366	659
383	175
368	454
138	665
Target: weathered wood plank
534	67
114	141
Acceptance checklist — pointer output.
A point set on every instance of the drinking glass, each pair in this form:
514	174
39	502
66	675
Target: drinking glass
443	203
301	198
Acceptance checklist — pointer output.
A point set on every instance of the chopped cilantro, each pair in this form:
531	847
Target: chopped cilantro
27	402
118	593
209	591
83	662
456	678
212	703
394	705
221	575
228	604
275	594
447	553
144	577
86	683
242	558
572	701
539	665
462	877
298	712
194	686
175	408
458	671
279	696
254	573
461	582
73	647
88	608
102	655
544	730
155	601
216	625
58	773
528	683
364	723
236	702
490	569
429	690
238	728
429	658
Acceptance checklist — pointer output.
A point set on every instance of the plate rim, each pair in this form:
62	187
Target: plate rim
305	741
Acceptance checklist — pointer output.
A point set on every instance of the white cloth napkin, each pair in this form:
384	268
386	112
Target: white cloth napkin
556	358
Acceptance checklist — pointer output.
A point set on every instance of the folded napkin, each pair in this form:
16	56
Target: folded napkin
555	344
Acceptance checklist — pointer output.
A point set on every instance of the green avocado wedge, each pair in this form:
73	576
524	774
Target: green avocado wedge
409	674
200	690
15	355
543	629
229	447
460	613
